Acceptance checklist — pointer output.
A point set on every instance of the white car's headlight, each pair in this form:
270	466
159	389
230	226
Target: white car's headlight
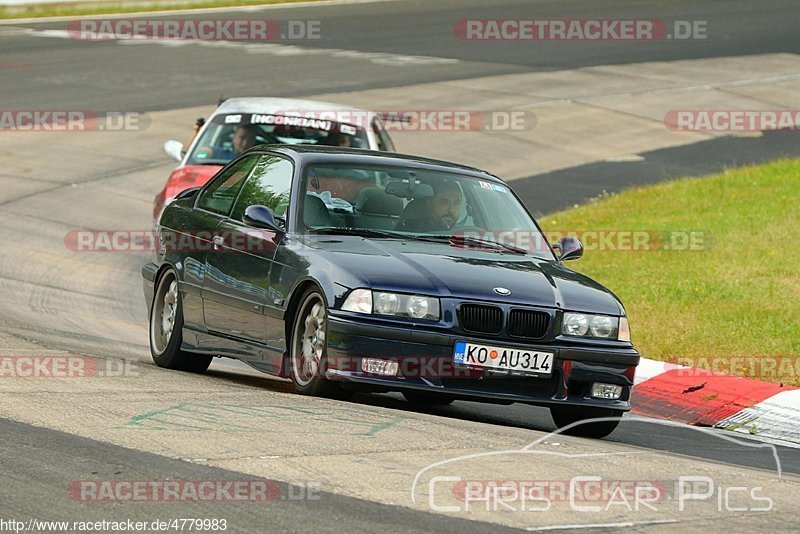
599	326
397	304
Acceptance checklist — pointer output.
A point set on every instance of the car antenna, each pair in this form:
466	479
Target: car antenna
221	100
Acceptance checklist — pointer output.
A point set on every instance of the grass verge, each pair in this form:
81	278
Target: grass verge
734	305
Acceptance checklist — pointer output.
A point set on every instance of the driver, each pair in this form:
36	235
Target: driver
440	211
244	137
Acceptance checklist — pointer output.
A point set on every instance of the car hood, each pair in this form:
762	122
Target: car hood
449	271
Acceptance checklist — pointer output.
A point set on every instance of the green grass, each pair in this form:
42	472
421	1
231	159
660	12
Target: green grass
737	298
130	6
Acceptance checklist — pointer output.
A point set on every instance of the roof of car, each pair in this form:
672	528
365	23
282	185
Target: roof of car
275	105
319	153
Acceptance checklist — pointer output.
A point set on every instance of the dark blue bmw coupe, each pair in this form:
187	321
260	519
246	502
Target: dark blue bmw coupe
349	270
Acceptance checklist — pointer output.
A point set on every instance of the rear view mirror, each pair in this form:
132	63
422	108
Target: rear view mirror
174	149
409	190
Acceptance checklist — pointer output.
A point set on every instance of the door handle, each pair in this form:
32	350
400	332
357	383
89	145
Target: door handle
218	241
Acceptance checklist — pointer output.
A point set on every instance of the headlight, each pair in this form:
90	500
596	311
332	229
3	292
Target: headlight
603	325
599	326
386	303
419	307
359	301
396	304
575	324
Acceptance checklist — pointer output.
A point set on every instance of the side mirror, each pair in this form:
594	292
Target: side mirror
569	248
174	149
261	217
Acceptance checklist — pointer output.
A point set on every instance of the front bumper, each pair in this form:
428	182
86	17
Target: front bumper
425	360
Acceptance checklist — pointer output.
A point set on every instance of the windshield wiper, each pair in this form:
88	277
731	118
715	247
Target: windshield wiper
479	241
469	240
363	232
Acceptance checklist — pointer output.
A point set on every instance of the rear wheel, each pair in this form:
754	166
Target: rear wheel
166	326
422	398
309	349
564	416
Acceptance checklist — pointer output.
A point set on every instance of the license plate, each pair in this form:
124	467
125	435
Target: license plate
504	358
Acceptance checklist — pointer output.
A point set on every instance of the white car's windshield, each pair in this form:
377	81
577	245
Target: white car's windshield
229	135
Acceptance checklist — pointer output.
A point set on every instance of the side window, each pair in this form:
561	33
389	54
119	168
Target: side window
221	193
384	141
269	185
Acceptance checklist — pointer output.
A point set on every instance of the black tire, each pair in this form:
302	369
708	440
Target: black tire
166	351
566	415
308	353
423	398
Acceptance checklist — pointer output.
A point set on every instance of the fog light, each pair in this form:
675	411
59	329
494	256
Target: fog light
606	391
376	366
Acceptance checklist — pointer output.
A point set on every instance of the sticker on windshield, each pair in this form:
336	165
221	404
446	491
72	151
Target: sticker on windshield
233	119
494	187
288	120
346	129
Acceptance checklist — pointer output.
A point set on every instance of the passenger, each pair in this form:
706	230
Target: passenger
338	138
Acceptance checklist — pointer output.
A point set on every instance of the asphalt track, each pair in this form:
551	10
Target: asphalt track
57	302
75	74
27	449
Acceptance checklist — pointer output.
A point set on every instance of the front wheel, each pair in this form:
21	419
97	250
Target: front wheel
564	416
309	348
166	325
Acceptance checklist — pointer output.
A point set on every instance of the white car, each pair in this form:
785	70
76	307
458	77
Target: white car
240	123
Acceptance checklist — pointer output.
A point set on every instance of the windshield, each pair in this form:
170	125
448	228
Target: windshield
378	201
228	135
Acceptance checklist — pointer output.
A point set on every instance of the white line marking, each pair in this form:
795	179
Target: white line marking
624	524
378	58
